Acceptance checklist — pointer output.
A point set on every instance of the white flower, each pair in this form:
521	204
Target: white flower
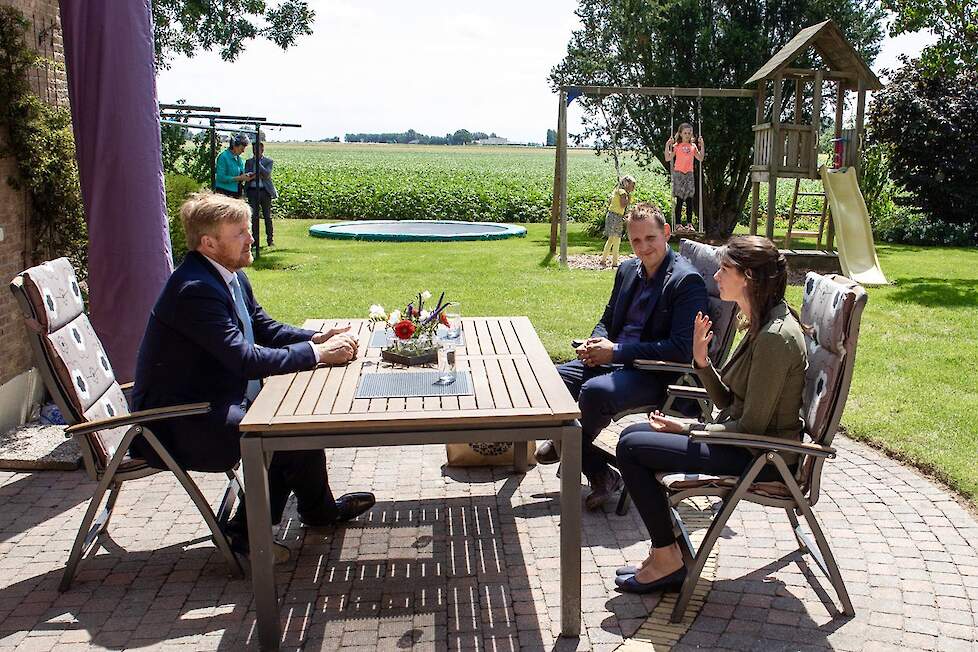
377	313
395	317
425	314
426	295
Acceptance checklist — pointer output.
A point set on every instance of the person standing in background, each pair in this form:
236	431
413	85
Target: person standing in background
229	171
261	191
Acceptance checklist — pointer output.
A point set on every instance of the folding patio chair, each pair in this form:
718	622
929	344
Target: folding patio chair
833	306
723	314
77	374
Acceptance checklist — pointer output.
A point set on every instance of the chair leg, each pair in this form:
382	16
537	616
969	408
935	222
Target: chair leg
821	551
91	527
624	502
203	507
796	528
712	534
685	543
231	493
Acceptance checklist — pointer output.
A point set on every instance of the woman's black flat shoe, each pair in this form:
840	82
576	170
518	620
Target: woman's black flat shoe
629	584
626	570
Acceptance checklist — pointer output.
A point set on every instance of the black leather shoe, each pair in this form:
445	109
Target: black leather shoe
353	504
547	453
238	541
629	584
348	507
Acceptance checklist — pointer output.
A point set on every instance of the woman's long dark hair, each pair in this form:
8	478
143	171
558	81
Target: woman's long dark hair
766	270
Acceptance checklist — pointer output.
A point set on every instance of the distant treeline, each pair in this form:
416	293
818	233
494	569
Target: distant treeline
460	137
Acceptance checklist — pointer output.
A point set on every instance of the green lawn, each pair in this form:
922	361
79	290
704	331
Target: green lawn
914	391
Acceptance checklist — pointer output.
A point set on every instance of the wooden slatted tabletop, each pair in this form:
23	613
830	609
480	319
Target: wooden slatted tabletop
514	382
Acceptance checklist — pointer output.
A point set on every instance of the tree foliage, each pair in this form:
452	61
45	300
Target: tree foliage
695	43
954	22
186	26
41	141
930	128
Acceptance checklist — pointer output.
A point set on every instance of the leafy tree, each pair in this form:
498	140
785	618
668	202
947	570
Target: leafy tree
462	137
186	26
929	126
551	138
707	43
954	22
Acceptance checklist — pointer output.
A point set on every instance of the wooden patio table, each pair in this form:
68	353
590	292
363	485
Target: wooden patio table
518	397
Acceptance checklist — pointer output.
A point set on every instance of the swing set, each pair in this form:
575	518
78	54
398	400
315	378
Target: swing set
569	93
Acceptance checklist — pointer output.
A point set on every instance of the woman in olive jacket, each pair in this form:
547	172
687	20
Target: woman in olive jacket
759	391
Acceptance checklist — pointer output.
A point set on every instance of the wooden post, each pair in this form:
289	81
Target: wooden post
555	201
816	122
562	173
840	105
775	162
860	116
755	189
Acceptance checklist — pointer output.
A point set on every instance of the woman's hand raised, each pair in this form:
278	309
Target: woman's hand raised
702	336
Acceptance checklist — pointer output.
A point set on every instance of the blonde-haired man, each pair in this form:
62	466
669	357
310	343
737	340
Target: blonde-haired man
208	339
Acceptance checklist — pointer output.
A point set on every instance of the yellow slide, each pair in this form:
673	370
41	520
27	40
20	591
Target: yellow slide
853	235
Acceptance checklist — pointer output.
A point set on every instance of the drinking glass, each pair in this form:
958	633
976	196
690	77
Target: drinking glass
453	314
446	364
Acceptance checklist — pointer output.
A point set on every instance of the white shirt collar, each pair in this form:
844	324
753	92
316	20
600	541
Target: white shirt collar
225	273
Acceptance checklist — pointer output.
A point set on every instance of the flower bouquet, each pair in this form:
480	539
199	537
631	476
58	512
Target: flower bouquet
414	330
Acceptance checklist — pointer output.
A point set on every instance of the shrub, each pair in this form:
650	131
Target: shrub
907	225
930	127
178	188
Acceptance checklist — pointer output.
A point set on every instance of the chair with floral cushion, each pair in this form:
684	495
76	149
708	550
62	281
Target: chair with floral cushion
79	377
832	305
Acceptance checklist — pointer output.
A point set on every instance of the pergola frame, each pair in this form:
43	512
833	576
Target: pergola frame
558	211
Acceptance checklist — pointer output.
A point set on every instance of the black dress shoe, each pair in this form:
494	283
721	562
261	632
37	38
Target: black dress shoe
238	542
348	507
674	580
547	453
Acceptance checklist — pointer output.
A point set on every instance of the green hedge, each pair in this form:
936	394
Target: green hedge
178	188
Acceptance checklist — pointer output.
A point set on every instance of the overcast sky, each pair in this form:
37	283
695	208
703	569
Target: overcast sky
389	66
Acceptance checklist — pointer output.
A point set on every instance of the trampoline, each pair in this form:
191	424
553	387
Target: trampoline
416	230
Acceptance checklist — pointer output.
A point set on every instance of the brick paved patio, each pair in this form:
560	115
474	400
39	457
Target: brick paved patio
468	559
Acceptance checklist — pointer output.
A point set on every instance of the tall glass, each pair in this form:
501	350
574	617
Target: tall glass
453	315
446	363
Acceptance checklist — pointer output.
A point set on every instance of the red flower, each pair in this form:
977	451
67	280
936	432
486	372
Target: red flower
443	319
404	329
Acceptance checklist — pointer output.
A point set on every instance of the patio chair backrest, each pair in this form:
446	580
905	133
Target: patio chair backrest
705	258
72	361
832	305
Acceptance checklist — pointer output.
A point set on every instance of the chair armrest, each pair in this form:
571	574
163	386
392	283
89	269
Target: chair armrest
663	365
761	441
682	391
142	416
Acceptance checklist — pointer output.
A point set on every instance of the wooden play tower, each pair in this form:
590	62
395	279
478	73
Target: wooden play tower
790	149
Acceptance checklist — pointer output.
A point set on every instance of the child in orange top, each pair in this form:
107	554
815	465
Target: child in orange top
681	150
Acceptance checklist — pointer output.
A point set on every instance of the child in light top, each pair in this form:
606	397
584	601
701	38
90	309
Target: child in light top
681	150
614	218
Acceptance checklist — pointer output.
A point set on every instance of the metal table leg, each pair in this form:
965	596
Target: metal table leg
260	542
570	530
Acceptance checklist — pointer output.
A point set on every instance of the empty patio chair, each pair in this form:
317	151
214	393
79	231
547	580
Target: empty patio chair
79	377
833	306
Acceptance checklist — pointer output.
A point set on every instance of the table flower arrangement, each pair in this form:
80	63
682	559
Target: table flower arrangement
414	329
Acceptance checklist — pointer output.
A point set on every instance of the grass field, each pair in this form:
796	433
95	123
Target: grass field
473	183
914	390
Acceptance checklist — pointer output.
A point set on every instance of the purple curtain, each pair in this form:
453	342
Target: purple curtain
112	85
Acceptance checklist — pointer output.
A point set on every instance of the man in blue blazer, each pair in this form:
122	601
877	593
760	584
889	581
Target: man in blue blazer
261	191
208	339
649	317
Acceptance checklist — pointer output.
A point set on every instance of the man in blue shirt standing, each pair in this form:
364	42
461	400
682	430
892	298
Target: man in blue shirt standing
649	317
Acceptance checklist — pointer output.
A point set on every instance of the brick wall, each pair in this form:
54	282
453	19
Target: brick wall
50	84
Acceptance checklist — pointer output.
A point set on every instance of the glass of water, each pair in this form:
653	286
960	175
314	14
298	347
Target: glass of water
453	314
446	364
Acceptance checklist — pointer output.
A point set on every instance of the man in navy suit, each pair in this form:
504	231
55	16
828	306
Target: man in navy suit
209	340
649	317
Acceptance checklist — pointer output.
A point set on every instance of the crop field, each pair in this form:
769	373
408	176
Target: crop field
472	183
